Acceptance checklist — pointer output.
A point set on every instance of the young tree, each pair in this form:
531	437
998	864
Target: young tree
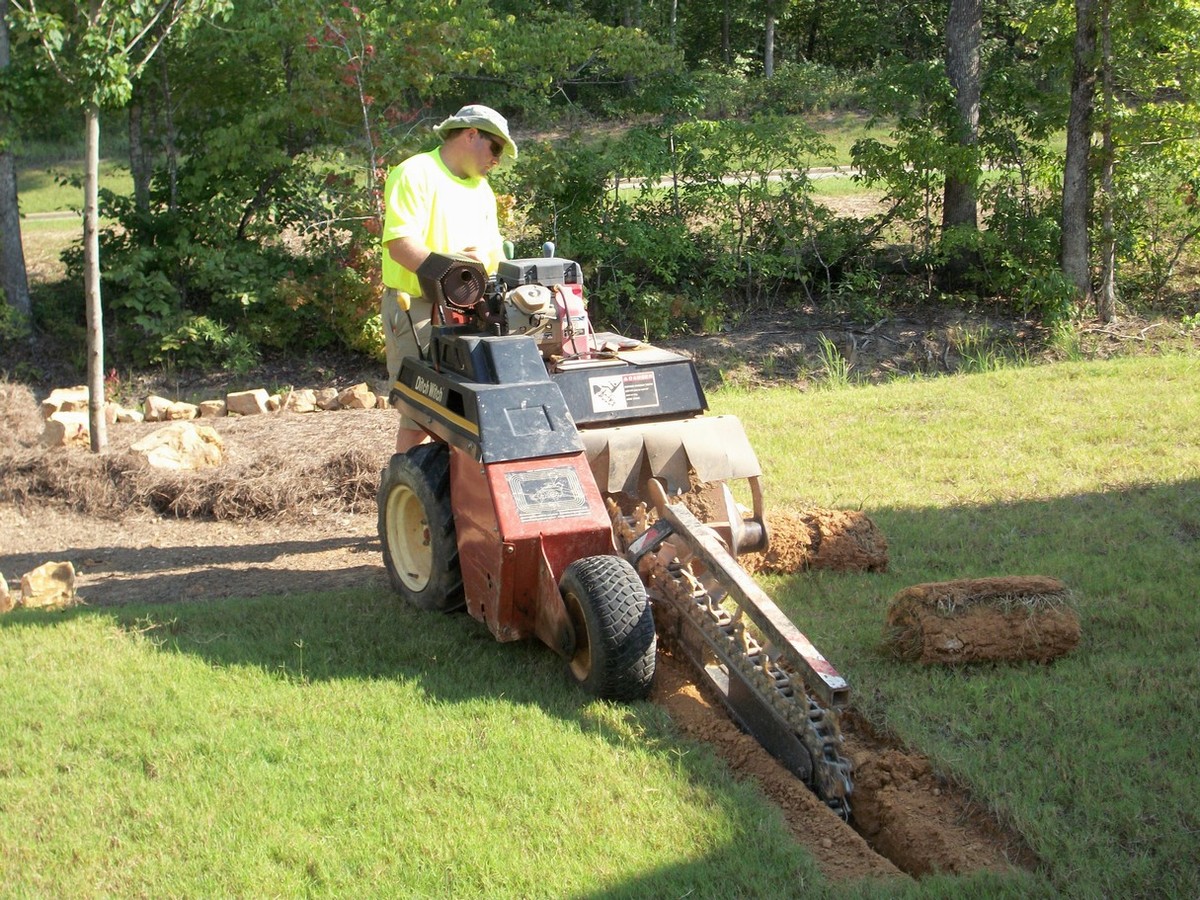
14	280
960	208
97	48
1076	193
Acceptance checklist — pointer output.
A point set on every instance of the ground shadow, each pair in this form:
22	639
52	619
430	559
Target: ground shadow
109	575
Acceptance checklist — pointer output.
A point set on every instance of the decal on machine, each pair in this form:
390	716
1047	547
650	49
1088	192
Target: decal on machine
632	390
547	494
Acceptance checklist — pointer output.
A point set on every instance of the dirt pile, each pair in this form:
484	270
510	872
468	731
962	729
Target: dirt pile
982	619
834	539
20	417
284	465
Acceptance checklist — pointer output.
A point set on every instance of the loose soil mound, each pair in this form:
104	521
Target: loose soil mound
838	540
974	620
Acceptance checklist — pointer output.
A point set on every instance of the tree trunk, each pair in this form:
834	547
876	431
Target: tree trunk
1075	260
91	279
814	28
139	157
14	279
170	148
769	45
726	41
960	207
1106	299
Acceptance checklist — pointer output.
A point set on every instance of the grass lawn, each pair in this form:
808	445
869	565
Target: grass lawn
1089	472
343	744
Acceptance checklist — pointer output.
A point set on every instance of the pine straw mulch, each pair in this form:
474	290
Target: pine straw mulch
279	466
299	466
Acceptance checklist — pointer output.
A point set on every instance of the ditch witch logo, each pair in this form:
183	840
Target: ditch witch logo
434	392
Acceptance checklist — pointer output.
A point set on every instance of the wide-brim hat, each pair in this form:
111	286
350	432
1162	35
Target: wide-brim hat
483	118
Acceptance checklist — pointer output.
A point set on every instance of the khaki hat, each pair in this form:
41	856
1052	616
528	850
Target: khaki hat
485	119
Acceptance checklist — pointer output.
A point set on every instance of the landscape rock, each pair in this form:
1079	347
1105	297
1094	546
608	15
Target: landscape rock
7	601
182	412
157	408
129	416
247	403
274	403
327	399
182	445
213	409
49	586
302	401
67	429
360	396
72	399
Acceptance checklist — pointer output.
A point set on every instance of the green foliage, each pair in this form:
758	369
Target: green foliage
284	119
548	54
14	324
208	284
99	53
1159	222
688	222
796	88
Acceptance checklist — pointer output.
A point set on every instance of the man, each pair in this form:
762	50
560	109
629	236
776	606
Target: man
438	202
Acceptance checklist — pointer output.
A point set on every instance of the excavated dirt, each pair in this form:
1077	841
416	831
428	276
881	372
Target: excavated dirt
834	539
983	619
906	821
283	528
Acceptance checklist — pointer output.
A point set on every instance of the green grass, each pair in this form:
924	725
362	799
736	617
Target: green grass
44	187
343	744
1089	472
841	130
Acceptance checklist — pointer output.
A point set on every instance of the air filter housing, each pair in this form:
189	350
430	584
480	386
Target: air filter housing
452	279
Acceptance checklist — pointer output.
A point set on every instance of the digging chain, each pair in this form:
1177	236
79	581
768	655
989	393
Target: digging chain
669	578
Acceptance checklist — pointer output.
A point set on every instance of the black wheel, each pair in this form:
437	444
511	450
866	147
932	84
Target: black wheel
614	628
416	528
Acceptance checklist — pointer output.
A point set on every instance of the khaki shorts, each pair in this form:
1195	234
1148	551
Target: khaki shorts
405	333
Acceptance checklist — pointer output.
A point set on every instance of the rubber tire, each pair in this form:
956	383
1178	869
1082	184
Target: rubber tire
614	628
416	529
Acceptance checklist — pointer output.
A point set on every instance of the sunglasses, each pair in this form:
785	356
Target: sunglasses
496	145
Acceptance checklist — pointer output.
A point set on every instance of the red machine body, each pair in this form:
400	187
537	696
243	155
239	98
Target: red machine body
520	523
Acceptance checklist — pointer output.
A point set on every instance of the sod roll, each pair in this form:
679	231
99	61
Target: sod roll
983	619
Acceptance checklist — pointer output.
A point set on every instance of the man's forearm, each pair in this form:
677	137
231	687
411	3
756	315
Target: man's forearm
408	252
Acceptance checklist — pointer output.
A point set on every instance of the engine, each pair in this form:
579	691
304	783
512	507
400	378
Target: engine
540	297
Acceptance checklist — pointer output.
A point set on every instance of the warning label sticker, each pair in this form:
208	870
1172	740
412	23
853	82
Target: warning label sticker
544	494
634	390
